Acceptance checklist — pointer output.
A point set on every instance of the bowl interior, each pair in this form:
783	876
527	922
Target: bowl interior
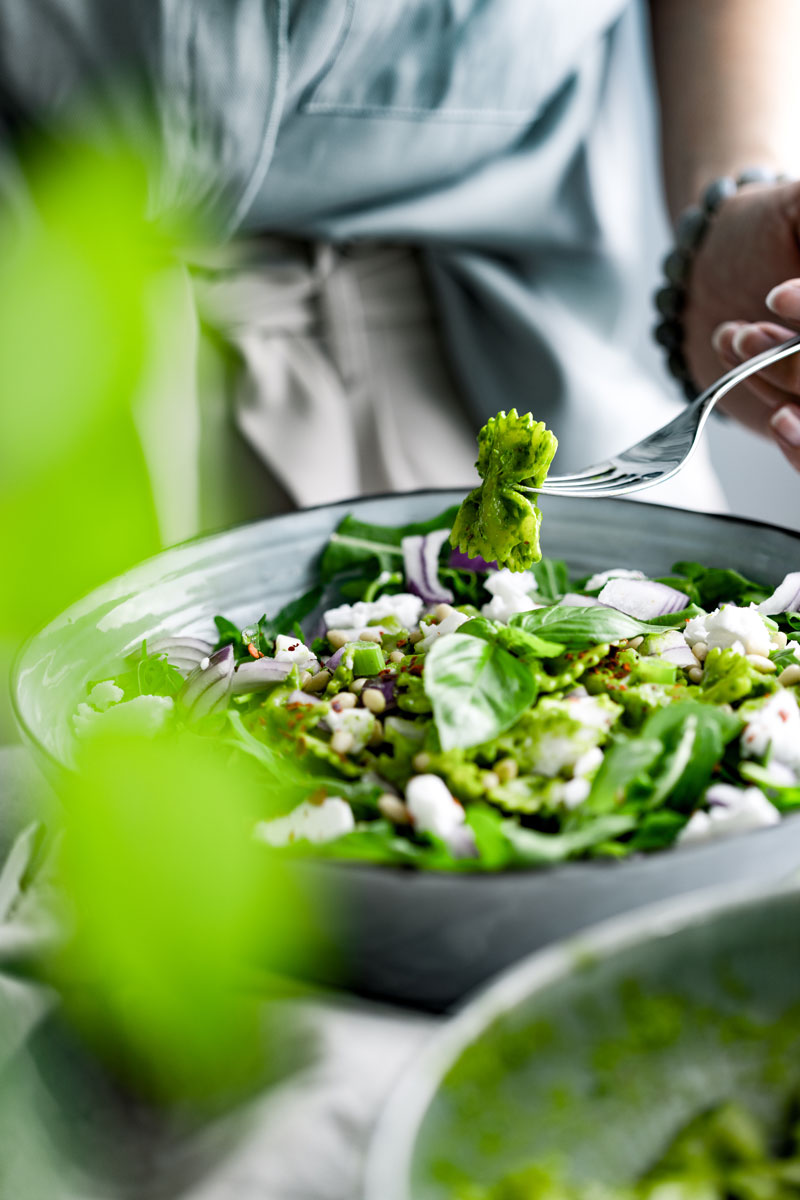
591	1057
258	567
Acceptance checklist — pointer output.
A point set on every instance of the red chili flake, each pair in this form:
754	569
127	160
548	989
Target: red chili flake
254	651
626	666
782	716
402	642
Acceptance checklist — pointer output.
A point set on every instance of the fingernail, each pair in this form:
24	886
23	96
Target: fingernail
750	340
723	334
786	423
785	299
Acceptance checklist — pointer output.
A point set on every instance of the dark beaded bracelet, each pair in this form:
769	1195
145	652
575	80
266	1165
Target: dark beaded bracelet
690	230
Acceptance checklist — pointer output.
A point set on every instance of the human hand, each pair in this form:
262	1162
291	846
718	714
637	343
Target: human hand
745	274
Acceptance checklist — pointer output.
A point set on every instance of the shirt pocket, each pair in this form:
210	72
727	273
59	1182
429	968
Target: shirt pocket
452	60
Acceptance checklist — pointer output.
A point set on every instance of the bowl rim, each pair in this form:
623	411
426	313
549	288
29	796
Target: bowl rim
58	767
390	1152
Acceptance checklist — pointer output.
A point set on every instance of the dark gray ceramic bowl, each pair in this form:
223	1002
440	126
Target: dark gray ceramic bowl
420	939
593	1054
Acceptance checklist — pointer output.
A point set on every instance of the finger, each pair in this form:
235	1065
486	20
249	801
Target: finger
784	300
785	427
749	340
722	341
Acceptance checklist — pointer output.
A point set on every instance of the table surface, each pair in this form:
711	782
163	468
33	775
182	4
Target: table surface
305	1140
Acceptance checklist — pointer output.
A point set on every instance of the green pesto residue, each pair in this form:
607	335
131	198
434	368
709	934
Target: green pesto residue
498	521
723	1154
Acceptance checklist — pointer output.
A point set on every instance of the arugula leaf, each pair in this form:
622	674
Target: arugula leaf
526	646
623	762
574	627
789	622
290	615
552	578
694	737
784	659
356	543
476	688
713	585
500	520
155	676
541	849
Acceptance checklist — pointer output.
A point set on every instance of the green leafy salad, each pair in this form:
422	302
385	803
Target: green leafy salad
723	1154
447	698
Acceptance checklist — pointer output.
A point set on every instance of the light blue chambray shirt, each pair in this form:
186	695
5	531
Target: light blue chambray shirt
511	140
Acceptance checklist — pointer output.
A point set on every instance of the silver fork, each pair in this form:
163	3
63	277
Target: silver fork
662	454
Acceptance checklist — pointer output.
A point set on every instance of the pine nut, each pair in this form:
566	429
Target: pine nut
490	780
373	699
393	809
370	635
779	640
305	678
342	701
765	665
416	636
695	674
790	675
357	686
376	737
342	742
421	761
635	643
318	682
441	611
396	656
700	651
506	770
339	637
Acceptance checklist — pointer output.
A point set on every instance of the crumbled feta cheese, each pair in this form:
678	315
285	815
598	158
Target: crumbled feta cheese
359	722
104	694
449	625
597	581
404	606
731	810
588	762
575	792
143	716
434	810
730	627
510	591
289	649
591	710
775	727
310	823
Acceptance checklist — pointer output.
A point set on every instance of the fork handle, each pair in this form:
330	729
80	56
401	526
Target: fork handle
706	401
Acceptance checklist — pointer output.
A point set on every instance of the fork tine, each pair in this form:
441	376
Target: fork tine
587	473
613	487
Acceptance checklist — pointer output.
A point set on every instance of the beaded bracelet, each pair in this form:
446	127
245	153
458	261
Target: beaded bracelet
690	230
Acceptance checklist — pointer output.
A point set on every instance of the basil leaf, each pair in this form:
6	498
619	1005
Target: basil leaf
574	627
477	690
552	578
357	542
525	646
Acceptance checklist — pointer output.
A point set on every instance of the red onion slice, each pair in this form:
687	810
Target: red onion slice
333	662
462	562
785	598
258	675
574	600
642	598
681	656
421	563
307	698
183	653
207	688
